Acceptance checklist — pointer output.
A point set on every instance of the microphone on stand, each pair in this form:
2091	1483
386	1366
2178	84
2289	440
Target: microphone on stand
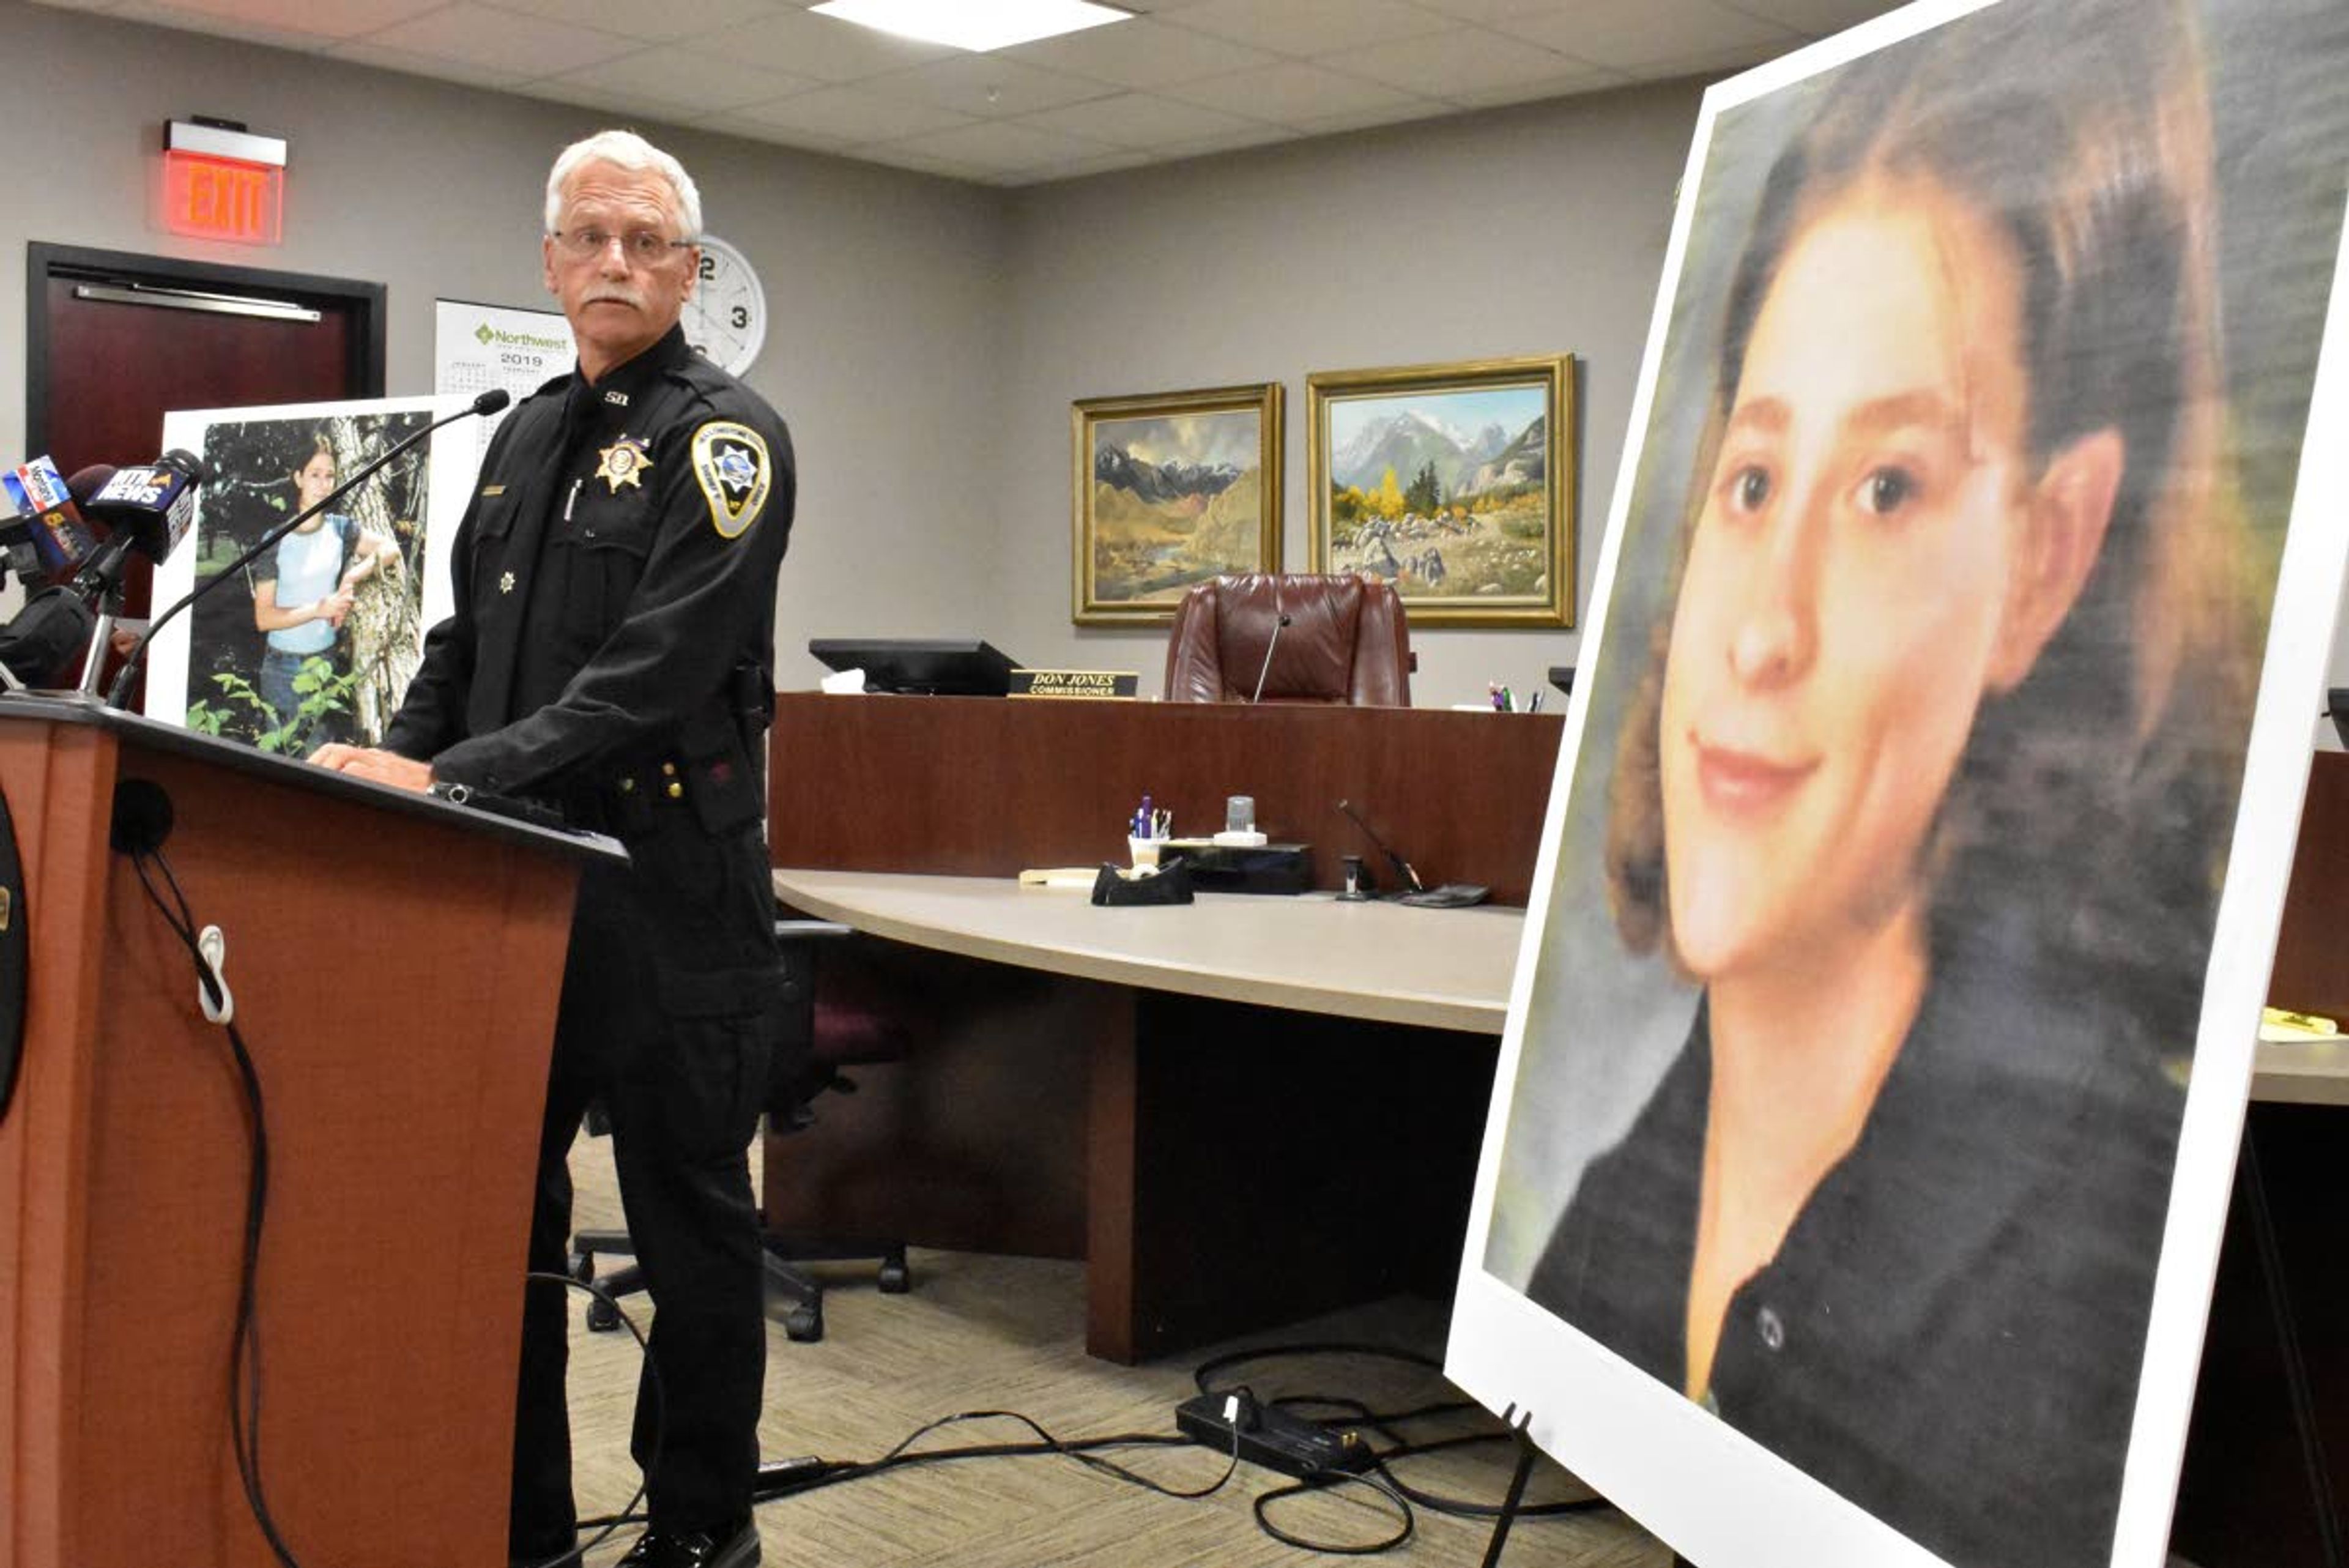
489	402
1273	643
1402	866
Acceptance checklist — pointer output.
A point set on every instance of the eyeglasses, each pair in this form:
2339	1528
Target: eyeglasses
642	247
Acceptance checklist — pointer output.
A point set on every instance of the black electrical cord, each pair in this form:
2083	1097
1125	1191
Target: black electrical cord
245	1357
1337	1548
244	1344
823	1473
1385	1423
627	1514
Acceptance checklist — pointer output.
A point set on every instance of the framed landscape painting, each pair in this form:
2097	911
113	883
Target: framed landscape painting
1454	482
1169	490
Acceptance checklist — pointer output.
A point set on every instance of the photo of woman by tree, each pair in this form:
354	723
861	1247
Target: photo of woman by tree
317	641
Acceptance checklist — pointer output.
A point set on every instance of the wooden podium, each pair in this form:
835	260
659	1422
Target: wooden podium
395	964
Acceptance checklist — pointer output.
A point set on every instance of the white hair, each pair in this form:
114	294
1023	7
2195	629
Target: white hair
625	150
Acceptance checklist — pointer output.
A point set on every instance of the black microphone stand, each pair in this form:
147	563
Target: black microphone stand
489	402
101	579
1271	643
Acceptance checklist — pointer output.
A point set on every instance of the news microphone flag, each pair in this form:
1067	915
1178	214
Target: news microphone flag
61	538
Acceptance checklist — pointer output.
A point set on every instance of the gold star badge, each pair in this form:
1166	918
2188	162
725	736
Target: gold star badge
505	584
625	462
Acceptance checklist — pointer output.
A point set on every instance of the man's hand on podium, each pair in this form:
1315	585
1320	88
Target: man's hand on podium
379	766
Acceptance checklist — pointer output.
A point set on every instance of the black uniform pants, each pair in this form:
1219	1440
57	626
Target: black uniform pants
668	1017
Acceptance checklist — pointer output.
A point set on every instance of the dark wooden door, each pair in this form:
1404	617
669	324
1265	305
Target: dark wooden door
114	340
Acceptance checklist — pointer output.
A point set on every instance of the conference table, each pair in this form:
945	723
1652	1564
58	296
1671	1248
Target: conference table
1239	1112
1202	1031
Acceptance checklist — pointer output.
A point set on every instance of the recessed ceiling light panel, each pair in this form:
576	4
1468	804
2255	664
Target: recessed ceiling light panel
975	24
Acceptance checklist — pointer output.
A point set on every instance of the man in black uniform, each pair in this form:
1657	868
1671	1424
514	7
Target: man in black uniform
611	653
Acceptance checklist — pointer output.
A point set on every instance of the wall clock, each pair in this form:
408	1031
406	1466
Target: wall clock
726	318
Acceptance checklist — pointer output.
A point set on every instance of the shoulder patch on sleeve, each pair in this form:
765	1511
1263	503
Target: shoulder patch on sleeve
731	466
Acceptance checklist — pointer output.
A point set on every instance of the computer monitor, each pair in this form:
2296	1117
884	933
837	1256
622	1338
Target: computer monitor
2336	702
941	667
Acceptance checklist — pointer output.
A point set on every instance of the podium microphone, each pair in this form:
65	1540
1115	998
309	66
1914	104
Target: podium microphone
489	402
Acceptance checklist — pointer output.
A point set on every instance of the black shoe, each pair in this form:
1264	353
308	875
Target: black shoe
659	1548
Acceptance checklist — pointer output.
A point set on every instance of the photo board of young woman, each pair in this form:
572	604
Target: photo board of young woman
317	636
1870	1093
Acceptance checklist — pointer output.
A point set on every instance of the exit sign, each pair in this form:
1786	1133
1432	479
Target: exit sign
221	182
220	198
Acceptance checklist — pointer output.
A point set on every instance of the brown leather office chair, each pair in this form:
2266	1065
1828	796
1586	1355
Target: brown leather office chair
1346	641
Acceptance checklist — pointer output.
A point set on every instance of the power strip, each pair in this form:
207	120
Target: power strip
1270	1436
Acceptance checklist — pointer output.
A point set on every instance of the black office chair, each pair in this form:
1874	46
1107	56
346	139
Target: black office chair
842	1032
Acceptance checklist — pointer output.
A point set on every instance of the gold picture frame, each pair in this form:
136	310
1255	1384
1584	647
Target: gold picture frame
1169	489
1456	482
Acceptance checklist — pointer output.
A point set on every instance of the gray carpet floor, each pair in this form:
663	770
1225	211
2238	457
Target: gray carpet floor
980	1333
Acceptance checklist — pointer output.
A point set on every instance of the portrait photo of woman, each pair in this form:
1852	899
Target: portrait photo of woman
1910	788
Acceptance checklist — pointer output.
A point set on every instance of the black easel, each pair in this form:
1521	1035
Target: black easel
1517	1424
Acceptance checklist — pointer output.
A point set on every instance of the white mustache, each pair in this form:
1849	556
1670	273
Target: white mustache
608	298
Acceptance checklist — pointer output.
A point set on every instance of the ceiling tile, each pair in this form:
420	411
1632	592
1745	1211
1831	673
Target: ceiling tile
258	18
152	14
1139	119
1722	62
1310	27
622	111
1574	78
986	87
897	155
733	124
695	83
1450	65
1816	18
481	35
1631	32
1002	146
461	72
1291	93
1489	11
1108	163
821	46
1184	77
669	19
1259	136
851	114
1337	123
1139	54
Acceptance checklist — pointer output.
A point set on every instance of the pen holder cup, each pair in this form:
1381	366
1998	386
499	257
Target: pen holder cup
1143	851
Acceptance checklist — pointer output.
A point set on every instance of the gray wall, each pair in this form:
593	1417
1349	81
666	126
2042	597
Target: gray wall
885	286
1526	231
929	337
